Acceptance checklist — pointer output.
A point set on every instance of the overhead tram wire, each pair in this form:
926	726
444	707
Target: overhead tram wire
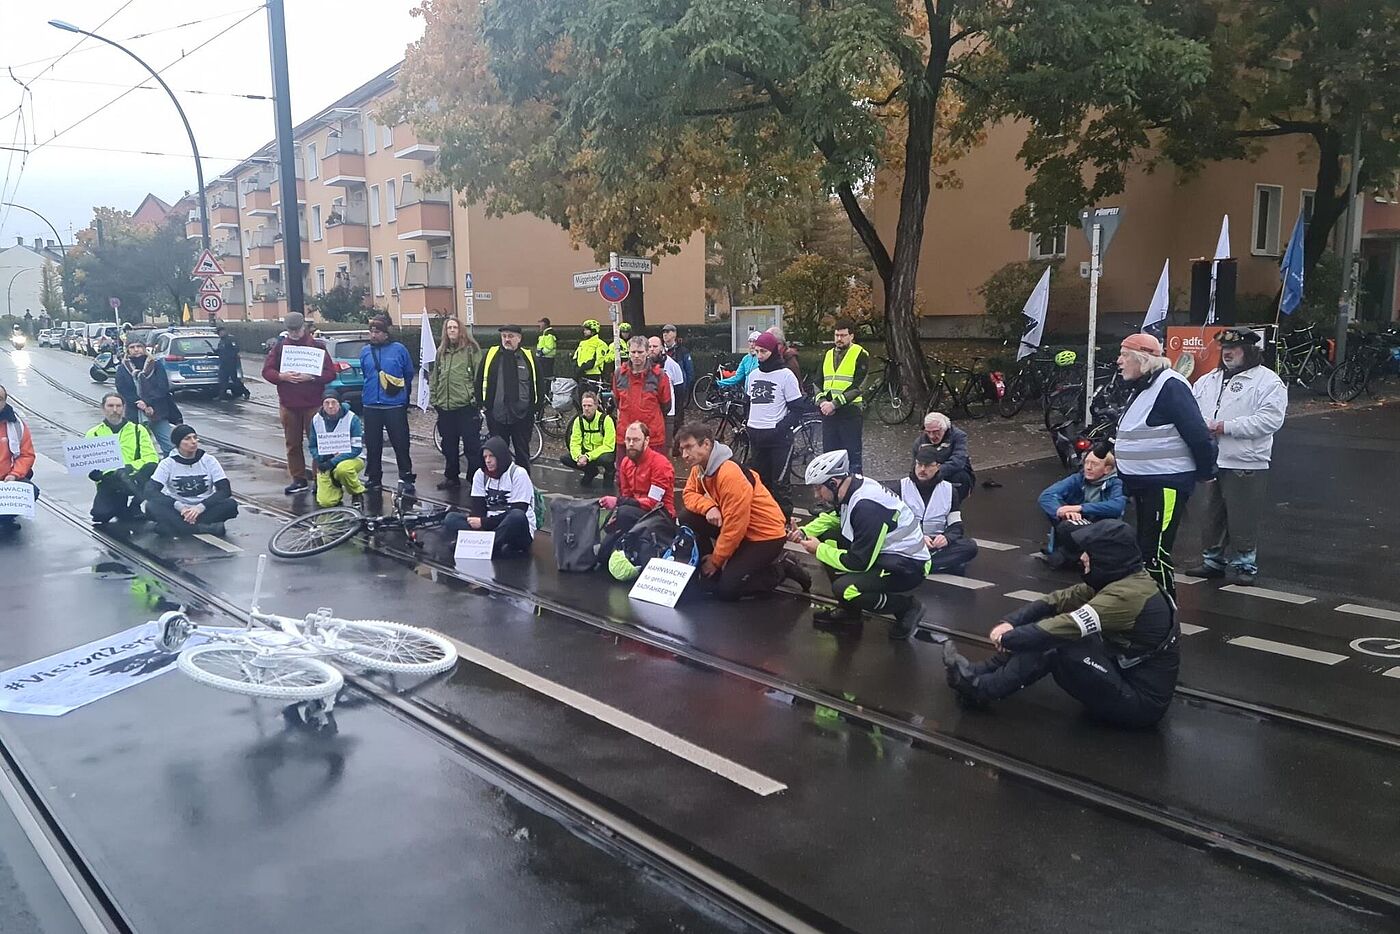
138	152
61	56
118	84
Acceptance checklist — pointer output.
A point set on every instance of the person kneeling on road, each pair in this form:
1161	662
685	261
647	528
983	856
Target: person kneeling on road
338	431
119	492
950	444
502	501
937	505
870	545
1092	494
1111	642
737	524
592	442
189	494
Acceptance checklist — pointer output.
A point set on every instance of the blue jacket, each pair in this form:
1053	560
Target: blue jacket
1070	492
750	362
395	360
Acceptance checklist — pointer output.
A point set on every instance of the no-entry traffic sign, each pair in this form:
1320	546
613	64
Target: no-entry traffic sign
614	287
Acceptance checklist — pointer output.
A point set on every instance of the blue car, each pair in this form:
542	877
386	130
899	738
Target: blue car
344	348
190	357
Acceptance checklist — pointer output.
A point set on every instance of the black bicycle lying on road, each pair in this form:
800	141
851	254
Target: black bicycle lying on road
320	531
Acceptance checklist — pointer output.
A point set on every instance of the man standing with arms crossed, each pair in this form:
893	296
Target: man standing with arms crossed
844	369
298	397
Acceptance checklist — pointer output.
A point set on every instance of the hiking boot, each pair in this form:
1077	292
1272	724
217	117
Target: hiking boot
907	623
1241	576
450	483
796	573
838	615
1206	570
962	678
297	486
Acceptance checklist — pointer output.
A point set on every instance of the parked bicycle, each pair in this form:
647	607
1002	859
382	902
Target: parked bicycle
885	395
1030	380
1371	359
707	394
1301	359
730	420
324	529
973	390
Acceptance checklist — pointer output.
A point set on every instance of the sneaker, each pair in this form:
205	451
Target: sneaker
357	500
1206	570
1241	576
297	486
210	528
962	678
907	623
407	488
837	616
451	483
1053	561
796	573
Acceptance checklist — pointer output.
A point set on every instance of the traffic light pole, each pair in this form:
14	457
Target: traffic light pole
286	155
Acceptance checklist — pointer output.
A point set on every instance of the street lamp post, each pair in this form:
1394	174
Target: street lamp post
49	223
198	163
10	291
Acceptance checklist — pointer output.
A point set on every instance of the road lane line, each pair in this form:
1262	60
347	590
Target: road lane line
219	543
1186	579
995	546
1357	609
1268	594
1030	596
1292	651
1189	629
957	580
1392	673
740	775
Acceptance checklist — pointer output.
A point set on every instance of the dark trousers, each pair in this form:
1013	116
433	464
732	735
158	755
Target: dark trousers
1063	552
513	539
751	570
229	382
166	515
1235	504
394	420
1159	514
517	434
119	494
1085	671
605	462
954	558
842	431
619	525
461	433
877	590
768	456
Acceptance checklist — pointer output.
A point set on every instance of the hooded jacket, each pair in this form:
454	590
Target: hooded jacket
649	481
392	359
749	511
150	385
16	445
509	488
452	383
1252	404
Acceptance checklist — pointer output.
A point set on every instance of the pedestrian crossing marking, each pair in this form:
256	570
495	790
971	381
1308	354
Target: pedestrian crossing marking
995	546
1357	609
1392	673
966	583
1186	579
1189	629
1268	594
1030	596
1284	648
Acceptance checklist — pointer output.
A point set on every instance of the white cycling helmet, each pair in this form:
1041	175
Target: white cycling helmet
829	466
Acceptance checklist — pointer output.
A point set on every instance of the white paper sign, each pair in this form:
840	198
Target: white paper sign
332	443
662	581
88	454
308	360
656	493
17	499
474	546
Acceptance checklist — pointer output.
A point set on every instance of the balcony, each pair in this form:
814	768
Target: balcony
277	192
193	229
262	253
432	300
407	145
233	294
279	250
346	231
229	257
223	216
257	195
269	303
424	215
343	164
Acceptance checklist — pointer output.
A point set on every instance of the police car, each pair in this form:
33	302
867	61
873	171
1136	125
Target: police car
190	357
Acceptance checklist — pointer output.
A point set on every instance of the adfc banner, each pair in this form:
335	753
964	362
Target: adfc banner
1194	351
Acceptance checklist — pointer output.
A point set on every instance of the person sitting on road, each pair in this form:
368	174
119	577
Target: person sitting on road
749	363
337	428
592	442
642	392
950	445
1087	495
1111	642
145	388
869	544
937	506
16	452
737	524
120	492
646	479
189	494
502	501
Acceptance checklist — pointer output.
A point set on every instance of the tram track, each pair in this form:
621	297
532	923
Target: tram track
1354	888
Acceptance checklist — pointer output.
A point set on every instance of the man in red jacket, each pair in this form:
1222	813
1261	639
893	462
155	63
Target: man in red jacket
643	394
298	396
645	477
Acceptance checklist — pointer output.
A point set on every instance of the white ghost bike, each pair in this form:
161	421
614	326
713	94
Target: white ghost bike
287	659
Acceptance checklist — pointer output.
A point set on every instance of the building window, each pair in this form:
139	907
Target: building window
388	136
313	168
410	257
1306	203
320	280
1051	247
371	136
1268	199
374	205
379	275
316	222
391	200
394	272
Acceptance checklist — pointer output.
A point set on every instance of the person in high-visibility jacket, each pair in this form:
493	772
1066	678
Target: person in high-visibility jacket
546	347
843	374
120	491
592	442
593	353
619	346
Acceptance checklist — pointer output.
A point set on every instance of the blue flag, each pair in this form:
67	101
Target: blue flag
1291	271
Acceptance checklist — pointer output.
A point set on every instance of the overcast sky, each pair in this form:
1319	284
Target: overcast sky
333	47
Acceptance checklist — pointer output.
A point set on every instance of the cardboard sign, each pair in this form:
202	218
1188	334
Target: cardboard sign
88	454
308	360
474	546
662	582
17	499
333	443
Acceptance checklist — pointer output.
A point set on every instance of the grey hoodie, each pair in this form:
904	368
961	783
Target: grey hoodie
721	453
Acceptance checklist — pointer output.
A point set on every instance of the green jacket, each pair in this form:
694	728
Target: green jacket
592	439
548	345
138	449
592	355
452	383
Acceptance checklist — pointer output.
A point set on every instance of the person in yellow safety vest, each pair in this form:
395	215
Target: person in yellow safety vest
119	492
624	337
546	346
592	442
843	375
593	352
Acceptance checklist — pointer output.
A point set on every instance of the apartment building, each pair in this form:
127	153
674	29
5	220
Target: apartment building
1167	214
367	219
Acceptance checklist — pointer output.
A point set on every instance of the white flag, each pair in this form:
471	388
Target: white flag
427	353
1036	307
1161	301
1222	251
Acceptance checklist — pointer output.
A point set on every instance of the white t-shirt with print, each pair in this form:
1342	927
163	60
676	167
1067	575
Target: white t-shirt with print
189	484
769	395
676	375
513	486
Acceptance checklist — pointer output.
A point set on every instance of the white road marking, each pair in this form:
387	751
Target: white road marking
1030	596
1268	594
1392	673
1186	579
966	583
740	775
1189	629
1292	651
219	543
995	546
1357	609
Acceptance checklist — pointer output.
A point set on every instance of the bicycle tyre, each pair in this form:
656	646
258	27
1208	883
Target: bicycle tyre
1316	373
437	438
892	406
974	400
1064	404
552	423
703	395
806	444
396	648
1347	381
284	677
316	532
1015	398
536	442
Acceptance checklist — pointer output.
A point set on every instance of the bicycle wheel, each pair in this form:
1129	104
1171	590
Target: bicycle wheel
316	532
740	446
1315	373
1347	380
536	442
975	401
806	444
553	422
437	438
405	650
259	673
893	405
1063	405
703	395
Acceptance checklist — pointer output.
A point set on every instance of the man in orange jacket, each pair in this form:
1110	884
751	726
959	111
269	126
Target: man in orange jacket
737	523
643	394
16	451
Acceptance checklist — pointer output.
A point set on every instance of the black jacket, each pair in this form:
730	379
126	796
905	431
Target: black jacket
151	386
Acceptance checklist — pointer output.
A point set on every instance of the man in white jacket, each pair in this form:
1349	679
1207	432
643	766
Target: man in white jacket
1243	403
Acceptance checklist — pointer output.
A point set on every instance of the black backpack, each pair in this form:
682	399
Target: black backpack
574	524
651	537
